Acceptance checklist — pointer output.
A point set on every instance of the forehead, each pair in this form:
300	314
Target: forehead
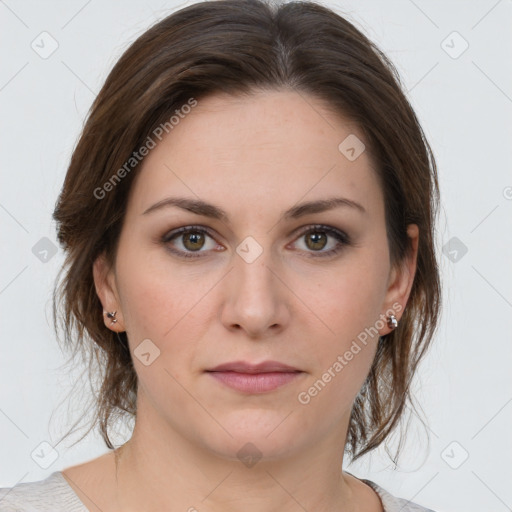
276	147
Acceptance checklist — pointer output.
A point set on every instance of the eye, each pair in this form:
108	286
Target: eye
316	239
191	239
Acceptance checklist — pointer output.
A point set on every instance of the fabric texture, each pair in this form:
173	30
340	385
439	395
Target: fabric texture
54	494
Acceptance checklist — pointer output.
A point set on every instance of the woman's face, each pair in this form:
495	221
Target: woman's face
254	286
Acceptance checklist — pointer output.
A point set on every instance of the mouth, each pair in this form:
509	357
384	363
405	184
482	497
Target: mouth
245	367
254	378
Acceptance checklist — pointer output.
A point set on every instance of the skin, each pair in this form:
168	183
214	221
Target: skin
254	156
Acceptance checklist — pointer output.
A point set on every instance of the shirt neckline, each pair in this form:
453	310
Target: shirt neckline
387	500
77	502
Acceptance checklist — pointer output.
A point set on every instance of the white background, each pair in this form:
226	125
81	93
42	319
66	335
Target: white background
464	105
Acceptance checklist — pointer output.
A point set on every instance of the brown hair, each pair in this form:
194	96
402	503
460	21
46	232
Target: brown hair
239	46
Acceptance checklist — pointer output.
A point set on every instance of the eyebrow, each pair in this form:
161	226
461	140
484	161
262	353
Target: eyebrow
205	209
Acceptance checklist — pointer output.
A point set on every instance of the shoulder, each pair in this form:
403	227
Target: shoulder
53	494
394	504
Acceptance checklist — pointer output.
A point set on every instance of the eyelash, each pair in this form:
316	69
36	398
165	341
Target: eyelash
342	238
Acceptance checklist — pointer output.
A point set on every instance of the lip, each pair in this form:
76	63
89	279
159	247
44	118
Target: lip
244	367
254	378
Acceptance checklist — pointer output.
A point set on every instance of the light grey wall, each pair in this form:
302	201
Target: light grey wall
463	97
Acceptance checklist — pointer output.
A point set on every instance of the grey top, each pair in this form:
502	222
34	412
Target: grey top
54	494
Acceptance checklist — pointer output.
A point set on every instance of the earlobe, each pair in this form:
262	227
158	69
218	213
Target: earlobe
111	315
105	285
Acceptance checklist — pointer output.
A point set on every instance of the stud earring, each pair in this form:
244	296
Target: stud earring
392	322
112	316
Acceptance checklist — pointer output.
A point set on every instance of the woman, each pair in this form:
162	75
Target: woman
249	220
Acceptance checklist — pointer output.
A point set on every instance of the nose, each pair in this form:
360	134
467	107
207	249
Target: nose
256	298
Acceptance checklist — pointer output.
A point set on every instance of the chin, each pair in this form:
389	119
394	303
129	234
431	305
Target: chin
255	436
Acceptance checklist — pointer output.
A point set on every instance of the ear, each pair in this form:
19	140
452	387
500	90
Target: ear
401	279
106	289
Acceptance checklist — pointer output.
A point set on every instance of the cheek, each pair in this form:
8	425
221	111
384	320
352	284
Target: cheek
148	302
348	299
162	303
348	303
149	306
344	356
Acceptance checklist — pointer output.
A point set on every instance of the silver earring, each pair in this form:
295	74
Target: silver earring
112	316
392	322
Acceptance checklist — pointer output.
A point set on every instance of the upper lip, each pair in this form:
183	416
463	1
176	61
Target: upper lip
244	367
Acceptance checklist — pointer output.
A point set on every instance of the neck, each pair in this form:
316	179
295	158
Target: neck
160	466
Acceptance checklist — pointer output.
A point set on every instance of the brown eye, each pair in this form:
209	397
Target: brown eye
190	242
321	241
193	240
316	240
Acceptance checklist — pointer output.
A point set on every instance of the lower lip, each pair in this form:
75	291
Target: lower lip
255	382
